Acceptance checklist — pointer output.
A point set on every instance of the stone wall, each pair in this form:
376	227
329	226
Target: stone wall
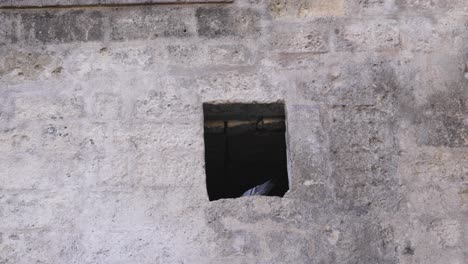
101	131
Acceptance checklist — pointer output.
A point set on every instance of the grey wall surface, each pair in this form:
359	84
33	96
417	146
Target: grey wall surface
101	132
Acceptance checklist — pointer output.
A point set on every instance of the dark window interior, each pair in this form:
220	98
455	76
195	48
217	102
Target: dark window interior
245	150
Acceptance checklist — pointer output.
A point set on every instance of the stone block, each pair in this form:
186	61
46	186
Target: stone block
423	34
133	246
362	175
301	37
363	240
39	245
417	34
230	54
22	3
8	30
15	139
163	106
443	131
108	106
368	129
429	4
371	8
16	66
168	167
116	165
185	54
306	8
237	84
54	2
307	164
363	86
147	23
364	153
29	108
315	87
276	246
46	156
154	136
227	22
141	208
295	61
435	238
6	109
434	166
62	27
447	231
130	217
378	35
178	244
37	210
32	172
371	135
441	120
135	57
61	139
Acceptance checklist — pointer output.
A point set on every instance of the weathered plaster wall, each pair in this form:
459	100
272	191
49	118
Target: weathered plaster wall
101	131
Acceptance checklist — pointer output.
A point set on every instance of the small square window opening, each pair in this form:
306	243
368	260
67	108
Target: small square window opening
245	150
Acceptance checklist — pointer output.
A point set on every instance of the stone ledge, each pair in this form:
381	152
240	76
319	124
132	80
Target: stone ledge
67	3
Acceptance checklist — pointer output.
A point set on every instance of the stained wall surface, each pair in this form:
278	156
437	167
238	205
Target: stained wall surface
101	131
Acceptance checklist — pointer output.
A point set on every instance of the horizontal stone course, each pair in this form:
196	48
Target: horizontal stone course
53	26
48	3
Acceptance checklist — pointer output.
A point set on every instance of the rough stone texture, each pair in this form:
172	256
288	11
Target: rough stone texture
101	131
